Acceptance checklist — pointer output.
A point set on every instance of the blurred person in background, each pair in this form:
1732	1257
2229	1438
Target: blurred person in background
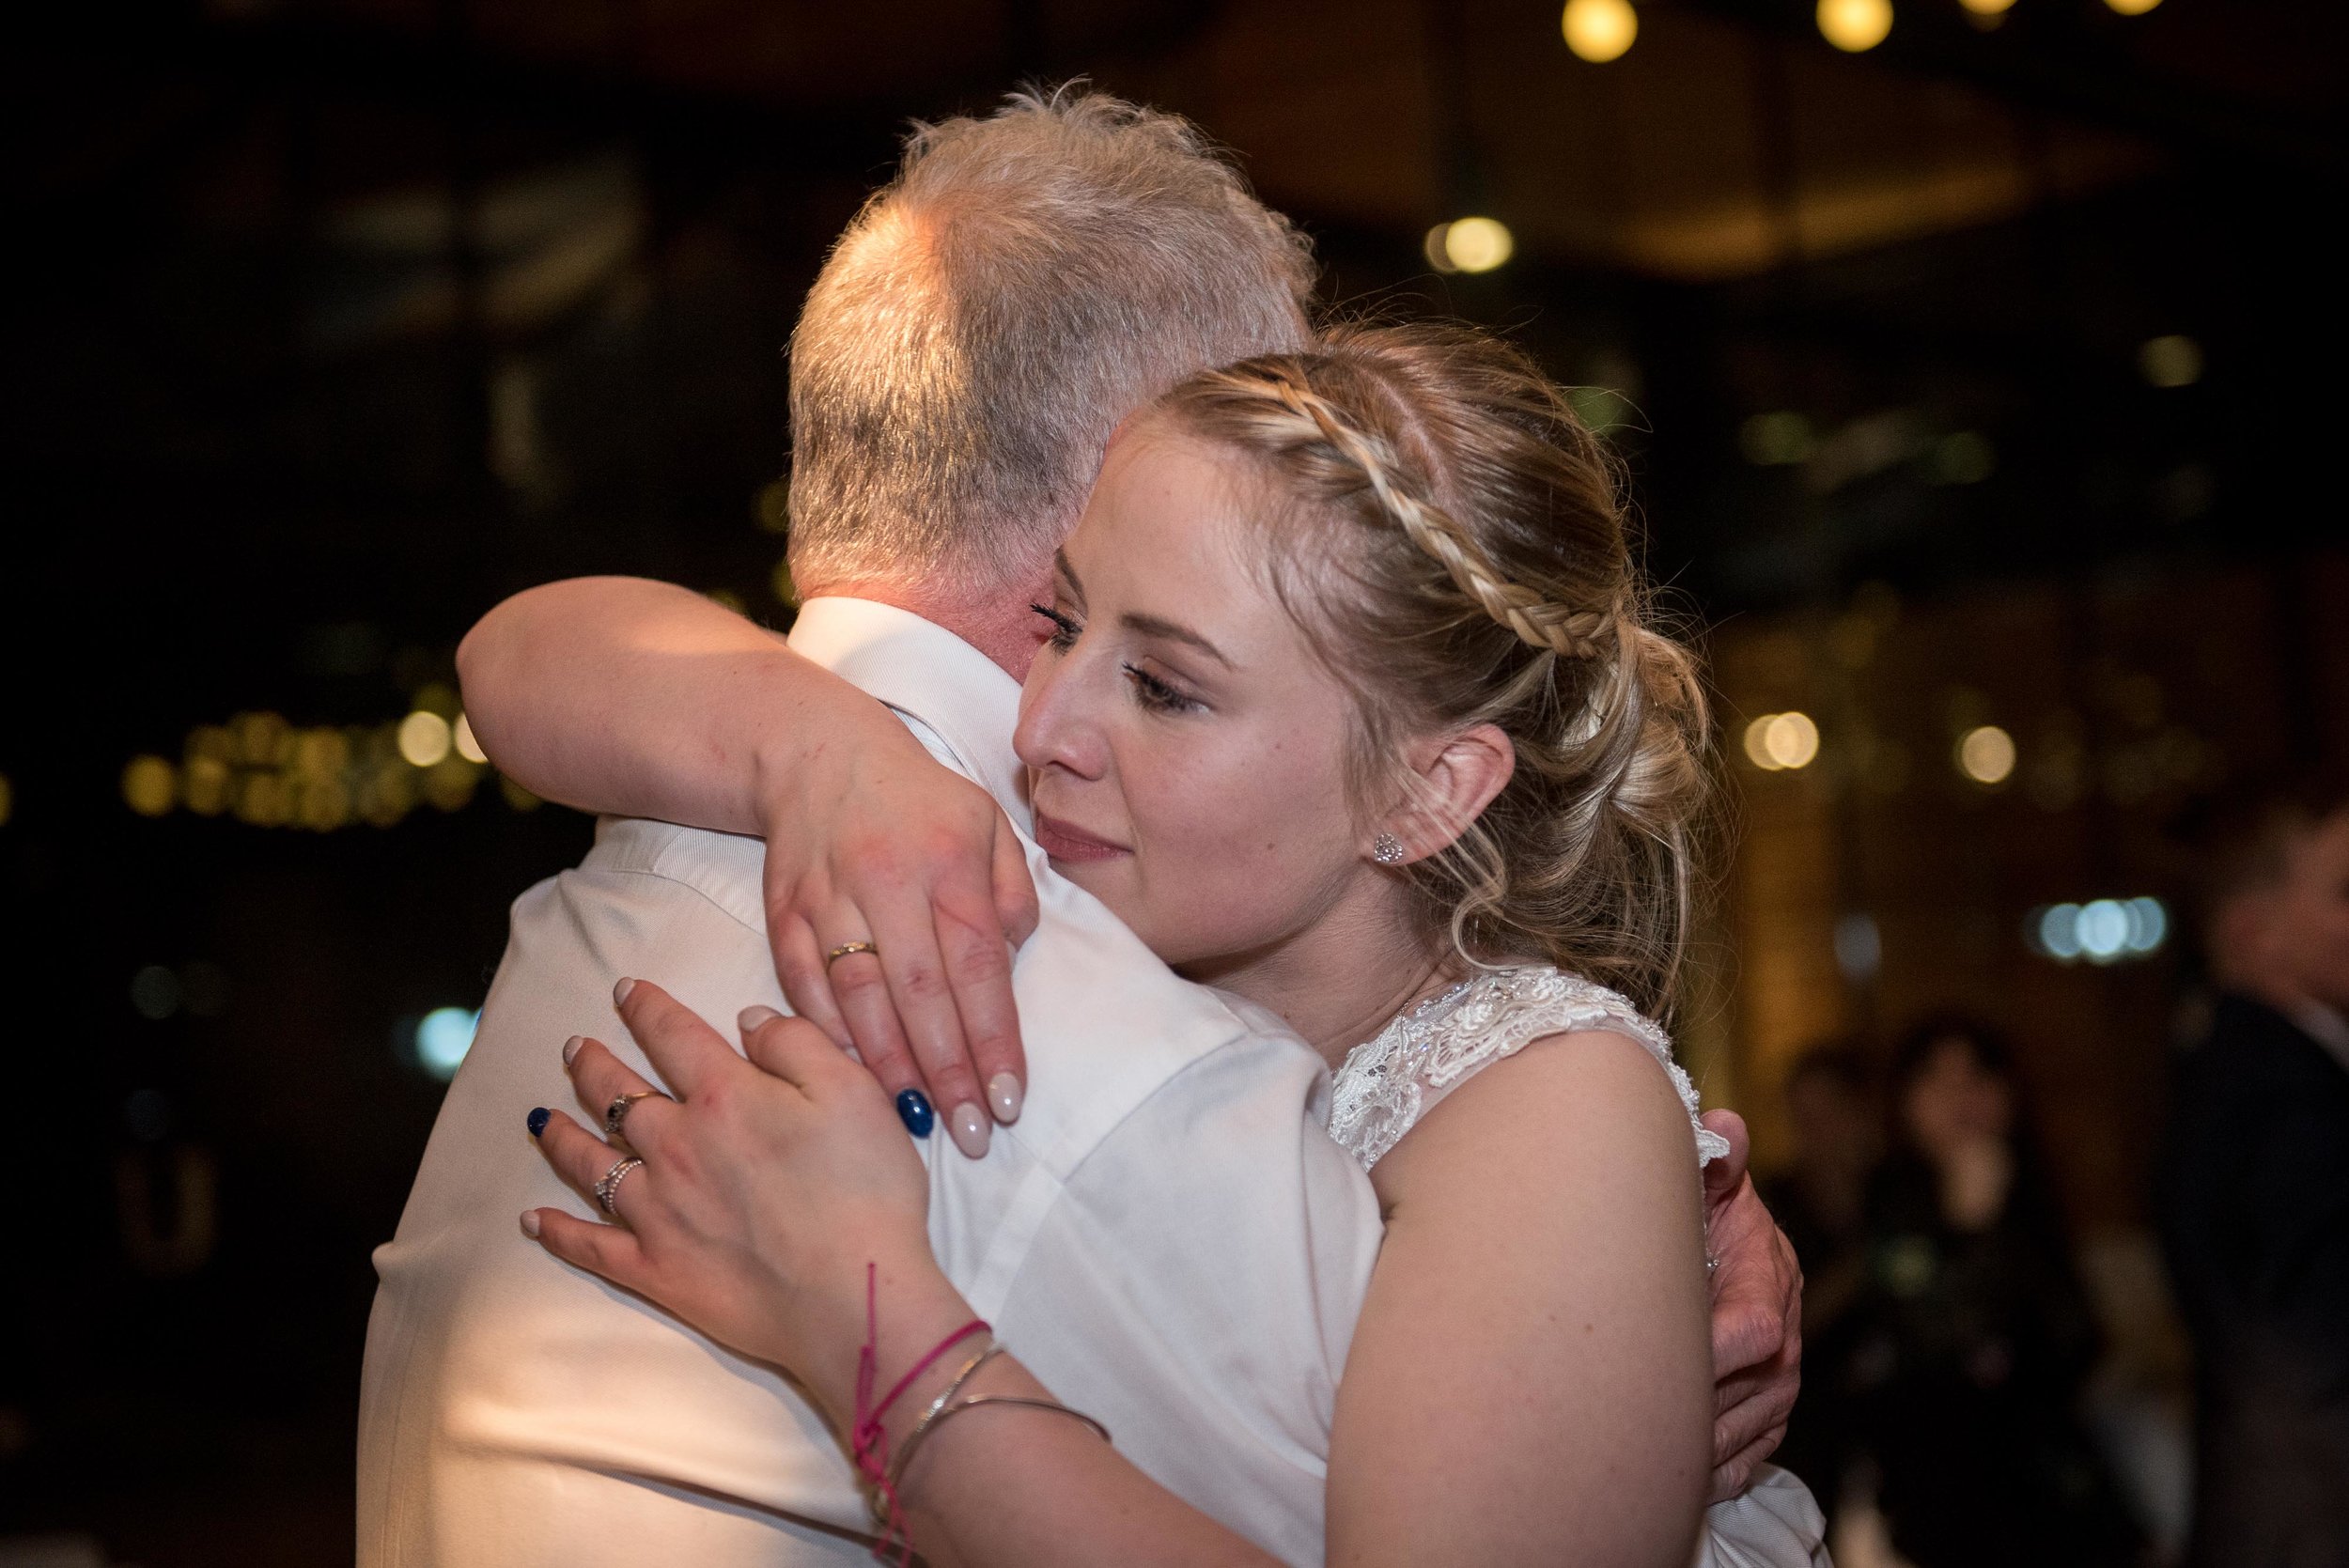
2254	1192
1821	1201
1976	1338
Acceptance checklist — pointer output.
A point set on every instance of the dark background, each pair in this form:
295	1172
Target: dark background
338	320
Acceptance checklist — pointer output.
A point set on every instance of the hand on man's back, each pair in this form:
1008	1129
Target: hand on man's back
1757	1316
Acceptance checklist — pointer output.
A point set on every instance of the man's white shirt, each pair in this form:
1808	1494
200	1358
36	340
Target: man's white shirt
1166	1236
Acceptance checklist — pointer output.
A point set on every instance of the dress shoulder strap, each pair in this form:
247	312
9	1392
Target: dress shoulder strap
1388	1083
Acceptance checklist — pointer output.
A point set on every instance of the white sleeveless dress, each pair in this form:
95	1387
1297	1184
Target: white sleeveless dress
1386	1084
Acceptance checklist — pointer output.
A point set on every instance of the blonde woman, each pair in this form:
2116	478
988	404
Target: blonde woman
1348	703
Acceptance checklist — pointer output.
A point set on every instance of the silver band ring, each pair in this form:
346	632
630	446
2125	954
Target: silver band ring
616	1112
608	1189
846	948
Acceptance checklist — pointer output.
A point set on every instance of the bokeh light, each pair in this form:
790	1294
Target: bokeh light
444	1037
2173	361
1470	245
1780	741
155	992
424	738
1988	7
1985	754
1855	26
462	739
2102	930
150	785
1776	440
1599	30
2132	8
7	799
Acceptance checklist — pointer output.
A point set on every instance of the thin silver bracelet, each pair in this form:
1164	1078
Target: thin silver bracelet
937	1408
976	1400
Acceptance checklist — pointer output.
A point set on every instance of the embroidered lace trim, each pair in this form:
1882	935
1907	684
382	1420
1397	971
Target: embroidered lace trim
1387	1084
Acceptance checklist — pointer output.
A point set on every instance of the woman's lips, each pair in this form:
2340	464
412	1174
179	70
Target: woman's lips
1064	843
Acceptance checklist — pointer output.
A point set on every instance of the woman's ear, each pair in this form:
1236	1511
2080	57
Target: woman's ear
1454	778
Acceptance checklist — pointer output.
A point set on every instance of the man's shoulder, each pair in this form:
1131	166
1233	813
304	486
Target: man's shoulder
1110	1028
725	868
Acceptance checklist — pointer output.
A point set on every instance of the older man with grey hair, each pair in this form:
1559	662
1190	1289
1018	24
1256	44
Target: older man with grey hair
1026	281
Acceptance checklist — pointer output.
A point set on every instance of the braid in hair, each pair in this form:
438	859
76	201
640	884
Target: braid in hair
1569	633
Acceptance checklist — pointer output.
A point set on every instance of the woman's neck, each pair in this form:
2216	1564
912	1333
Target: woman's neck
1339	980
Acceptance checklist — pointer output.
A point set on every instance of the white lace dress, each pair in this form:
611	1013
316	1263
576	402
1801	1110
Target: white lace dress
1386	1084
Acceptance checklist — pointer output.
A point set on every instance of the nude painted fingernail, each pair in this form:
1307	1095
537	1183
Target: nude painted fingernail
570	1047
1004	1093
967	1125
619	992
530	1222
756	1017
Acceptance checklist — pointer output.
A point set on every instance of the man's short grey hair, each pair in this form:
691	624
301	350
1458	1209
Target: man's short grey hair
1027	281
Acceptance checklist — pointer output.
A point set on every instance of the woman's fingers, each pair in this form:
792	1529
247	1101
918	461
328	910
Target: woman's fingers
606	1249
684	1051
791	1049
978	967
799	965
1014	887
582	1158
601	1077
930	1016
862	988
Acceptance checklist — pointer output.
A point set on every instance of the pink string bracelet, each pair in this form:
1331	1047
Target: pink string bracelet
868	1442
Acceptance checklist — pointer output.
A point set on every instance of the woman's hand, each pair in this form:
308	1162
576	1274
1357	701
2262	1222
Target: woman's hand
767	1188
1757	1316
874	847
644	699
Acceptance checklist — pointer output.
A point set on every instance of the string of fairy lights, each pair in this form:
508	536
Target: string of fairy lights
261	771
1604	30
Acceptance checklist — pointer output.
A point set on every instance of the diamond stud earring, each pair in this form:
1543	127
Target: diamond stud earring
1387	849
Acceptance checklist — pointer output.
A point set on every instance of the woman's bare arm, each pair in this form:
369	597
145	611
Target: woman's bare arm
644	699
1531	1380
637	698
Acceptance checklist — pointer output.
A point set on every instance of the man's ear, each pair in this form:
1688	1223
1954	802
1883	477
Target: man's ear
1453	778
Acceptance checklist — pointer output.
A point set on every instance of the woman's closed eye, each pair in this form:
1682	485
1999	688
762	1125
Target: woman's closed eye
1160	695
1065	628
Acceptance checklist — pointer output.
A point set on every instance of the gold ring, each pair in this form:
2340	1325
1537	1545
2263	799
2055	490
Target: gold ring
846	948
616	1112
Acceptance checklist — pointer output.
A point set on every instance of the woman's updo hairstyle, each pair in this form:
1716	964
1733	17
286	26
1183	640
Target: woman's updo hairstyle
1451	538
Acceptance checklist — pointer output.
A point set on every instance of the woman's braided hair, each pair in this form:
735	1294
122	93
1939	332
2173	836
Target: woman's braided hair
1451	538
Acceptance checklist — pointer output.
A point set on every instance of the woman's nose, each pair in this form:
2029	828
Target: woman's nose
1056	729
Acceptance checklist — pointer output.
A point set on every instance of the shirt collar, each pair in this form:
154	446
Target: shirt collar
926	673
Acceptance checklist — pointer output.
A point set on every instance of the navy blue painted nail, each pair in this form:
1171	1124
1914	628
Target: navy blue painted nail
914	1110
536	1120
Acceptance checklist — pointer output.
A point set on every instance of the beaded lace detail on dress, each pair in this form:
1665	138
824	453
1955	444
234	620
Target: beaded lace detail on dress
1387	1084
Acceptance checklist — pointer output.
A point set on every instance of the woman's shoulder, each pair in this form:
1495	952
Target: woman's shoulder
1386	1083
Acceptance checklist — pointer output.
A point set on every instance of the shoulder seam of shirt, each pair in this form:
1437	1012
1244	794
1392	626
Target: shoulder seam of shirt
653	874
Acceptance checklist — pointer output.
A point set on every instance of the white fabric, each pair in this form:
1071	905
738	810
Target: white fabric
1388	1082
1773	1523
1166	1236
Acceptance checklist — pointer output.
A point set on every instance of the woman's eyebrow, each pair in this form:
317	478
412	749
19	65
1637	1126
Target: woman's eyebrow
1152	626
1068	575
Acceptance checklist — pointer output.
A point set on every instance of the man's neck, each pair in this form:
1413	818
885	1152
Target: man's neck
996	620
